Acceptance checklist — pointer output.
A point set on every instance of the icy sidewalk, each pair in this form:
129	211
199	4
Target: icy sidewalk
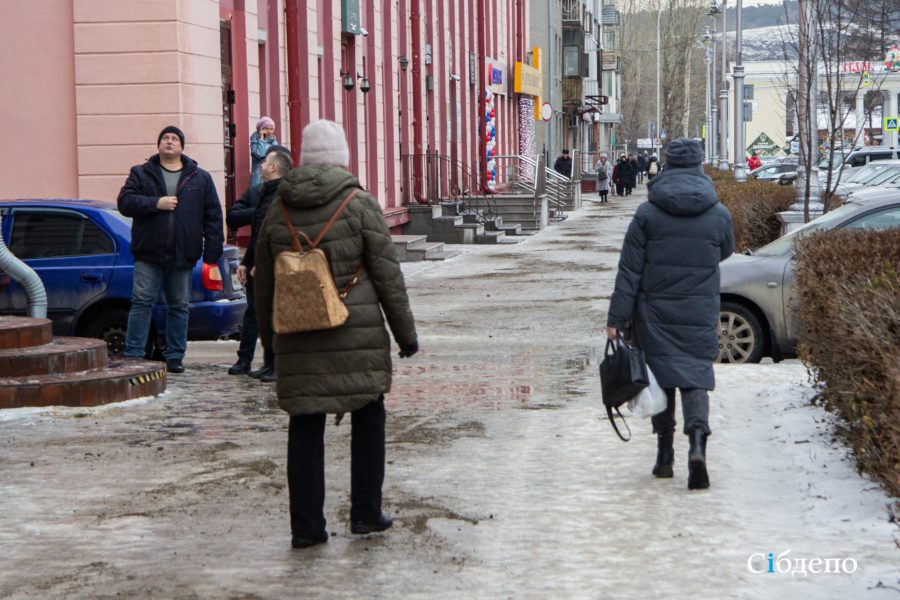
504	478
566	510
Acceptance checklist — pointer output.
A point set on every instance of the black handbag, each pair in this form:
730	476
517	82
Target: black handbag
623	374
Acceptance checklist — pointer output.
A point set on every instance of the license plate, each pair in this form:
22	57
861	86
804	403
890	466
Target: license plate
236	284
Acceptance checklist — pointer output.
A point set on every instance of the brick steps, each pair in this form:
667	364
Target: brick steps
38	370
23	332
62	355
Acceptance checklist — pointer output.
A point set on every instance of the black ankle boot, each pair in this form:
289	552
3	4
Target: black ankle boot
698	478
665	454
380	524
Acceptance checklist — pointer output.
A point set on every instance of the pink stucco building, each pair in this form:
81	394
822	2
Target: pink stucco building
88	84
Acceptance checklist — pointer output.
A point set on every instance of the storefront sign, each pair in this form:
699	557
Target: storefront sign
527	80
496	76
763	145
350	17
862	66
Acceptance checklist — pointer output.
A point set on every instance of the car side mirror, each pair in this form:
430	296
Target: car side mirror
787	178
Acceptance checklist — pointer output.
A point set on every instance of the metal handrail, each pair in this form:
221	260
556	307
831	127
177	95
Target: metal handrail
431	178
557	187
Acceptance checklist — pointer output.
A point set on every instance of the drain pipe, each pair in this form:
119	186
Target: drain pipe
26	277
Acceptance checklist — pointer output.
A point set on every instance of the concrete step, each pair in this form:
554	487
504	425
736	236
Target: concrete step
425	251
490	237
510	228
443	255
24	332
469	232
124	379
62	355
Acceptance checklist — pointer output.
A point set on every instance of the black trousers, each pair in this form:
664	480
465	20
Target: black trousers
306	468
250	330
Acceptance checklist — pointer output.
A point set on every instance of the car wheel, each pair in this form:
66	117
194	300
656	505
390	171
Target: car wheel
109	326
741	338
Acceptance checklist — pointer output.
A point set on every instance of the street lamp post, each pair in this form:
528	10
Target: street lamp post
740	165
714	109
658	124
708	141
723	93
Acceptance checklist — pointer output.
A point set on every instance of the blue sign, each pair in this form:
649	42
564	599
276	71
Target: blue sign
496	75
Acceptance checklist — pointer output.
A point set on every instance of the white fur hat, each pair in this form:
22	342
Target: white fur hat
324	143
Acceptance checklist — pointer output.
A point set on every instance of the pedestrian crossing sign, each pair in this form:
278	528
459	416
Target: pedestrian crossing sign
892	123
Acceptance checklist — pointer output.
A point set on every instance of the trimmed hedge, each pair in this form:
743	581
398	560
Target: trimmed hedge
753	205
848	291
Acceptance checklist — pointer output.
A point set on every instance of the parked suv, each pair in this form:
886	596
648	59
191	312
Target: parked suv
855	159
81	250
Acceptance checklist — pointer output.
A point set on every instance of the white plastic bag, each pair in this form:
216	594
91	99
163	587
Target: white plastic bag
651	400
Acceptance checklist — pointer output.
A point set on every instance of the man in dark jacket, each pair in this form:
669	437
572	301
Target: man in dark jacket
668	287
251	210
176	219
563	164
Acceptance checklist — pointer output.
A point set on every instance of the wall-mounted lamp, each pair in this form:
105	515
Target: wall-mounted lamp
347	80
404	62
363	84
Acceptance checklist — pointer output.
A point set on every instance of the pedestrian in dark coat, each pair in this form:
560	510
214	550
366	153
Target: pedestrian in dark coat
251	210
348	368
626	174
668	288
176	219
563	164
617	176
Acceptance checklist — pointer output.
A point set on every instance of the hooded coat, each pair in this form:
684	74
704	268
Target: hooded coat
668	279
342	369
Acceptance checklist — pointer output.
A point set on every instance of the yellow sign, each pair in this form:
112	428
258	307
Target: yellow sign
866	78
892	124
527	80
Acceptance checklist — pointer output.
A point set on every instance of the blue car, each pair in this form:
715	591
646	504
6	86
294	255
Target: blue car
81	249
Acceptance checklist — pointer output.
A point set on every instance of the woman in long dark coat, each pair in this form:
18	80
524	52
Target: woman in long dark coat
668	288
340	370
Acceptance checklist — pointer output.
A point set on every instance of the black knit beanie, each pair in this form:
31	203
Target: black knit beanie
684	152
171	129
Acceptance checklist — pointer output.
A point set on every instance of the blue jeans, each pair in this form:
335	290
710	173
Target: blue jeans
148	278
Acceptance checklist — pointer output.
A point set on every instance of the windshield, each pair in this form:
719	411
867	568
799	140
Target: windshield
785	243
837	159
866	173
885	175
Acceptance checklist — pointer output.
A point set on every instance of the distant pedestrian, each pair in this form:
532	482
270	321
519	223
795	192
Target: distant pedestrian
260	141
604	176
340	370
754	162
667	287
641	166
251	210
626	174
176	219
563	164
652	168
617	176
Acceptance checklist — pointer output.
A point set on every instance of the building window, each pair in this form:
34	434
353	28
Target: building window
571	62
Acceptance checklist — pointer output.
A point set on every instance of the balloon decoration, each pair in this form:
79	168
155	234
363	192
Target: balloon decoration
490	125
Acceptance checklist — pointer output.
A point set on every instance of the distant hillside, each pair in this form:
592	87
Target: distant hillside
754	17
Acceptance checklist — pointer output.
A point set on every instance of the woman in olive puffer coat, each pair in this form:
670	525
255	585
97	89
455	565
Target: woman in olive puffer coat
345	369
